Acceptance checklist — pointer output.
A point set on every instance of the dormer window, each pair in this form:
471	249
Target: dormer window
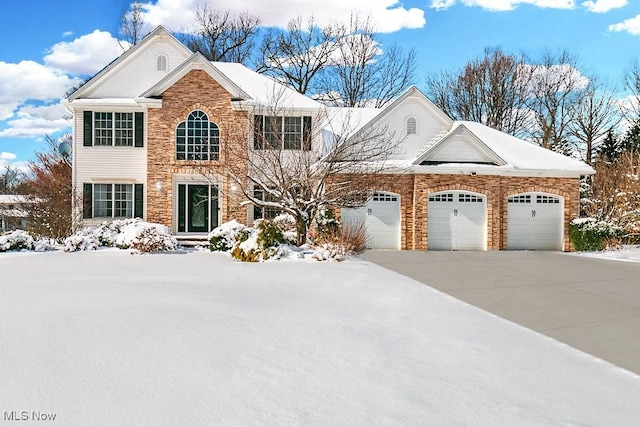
161	63
412	126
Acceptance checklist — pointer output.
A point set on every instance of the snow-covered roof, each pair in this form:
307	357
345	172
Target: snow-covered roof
522	154
471	146
265	90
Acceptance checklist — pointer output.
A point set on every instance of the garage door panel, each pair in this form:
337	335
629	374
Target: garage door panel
381	219
535	222
456	221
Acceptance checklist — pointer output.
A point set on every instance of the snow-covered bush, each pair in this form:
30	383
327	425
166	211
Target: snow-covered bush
224	237
16	240
589	234
338	243
150	239
82	240
107	233
122	234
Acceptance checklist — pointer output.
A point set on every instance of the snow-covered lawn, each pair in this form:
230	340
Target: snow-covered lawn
197	339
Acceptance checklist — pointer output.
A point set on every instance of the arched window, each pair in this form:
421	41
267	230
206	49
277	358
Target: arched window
197	138
161	63
412	126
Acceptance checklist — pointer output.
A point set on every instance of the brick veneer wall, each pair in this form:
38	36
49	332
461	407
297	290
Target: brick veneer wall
415	189
195	91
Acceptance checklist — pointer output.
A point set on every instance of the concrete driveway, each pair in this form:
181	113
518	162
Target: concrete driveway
590	304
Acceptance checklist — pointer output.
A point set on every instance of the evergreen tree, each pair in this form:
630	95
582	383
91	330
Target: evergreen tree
610	148
631	140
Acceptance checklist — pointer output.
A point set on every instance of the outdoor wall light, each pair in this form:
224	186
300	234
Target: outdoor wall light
159	186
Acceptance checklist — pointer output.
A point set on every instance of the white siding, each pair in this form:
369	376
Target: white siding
428	125
139	74
118	163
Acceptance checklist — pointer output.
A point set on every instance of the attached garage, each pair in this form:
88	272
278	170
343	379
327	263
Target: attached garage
456	220
381	218
535	222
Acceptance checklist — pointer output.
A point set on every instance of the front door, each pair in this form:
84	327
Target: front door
197	208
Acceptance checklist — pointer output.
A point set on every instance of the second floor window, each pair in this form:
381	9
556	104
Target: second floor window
276	132
197	138
109	128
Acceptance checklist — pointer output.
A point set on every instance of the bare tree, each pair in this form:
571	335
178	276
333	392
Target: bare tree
492	90
293	166
300	53
220	36
362	73
594	115
131	25
556	86
50	190
614	194
631	109
10	179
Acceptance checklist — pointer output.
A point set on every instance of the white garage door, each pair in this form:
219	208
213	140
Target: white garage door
457	221
381	217
535	222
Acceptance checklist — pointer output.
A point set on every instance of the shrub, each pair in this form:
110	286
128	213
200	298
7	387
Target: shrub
269	235
82	240
224	237
588	234
349	239
16	240
152	240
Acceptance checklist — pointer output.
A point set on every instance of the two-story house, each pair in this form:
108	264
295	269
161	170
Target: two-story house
155	130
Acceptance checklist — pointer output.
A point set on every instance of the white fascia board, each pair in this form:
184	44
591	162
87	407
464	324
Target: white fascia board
471	169
85	103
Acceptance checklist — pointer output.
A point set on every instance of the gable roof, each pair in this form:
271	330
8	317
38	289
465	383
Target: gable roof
242	83
461	145
196	61
158	33
514	153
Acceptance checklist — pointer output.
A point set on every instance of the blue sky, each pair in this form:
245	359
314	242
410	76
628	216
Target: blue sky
46	48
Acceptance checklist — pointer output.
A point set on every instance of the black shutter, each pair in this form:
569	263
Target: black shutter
139	133
87	201
88	129
306	133
258	133
138	200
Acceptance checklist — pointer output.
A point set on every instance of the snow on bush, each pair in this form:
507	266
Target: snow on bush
153	240
20	240
224	237
16	240
590	234
268	239
124	234
83	240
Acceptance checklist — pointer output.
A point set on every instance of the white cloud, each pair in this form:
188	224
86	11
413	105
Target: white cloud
87	54
504	5
388	15
602	6
35	123
7	156
631	26
20	165
442	4
28	80
67	34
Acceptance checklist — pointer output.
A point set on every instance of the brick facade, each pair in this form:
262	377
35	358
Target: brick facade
414	190
195	91
198	91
